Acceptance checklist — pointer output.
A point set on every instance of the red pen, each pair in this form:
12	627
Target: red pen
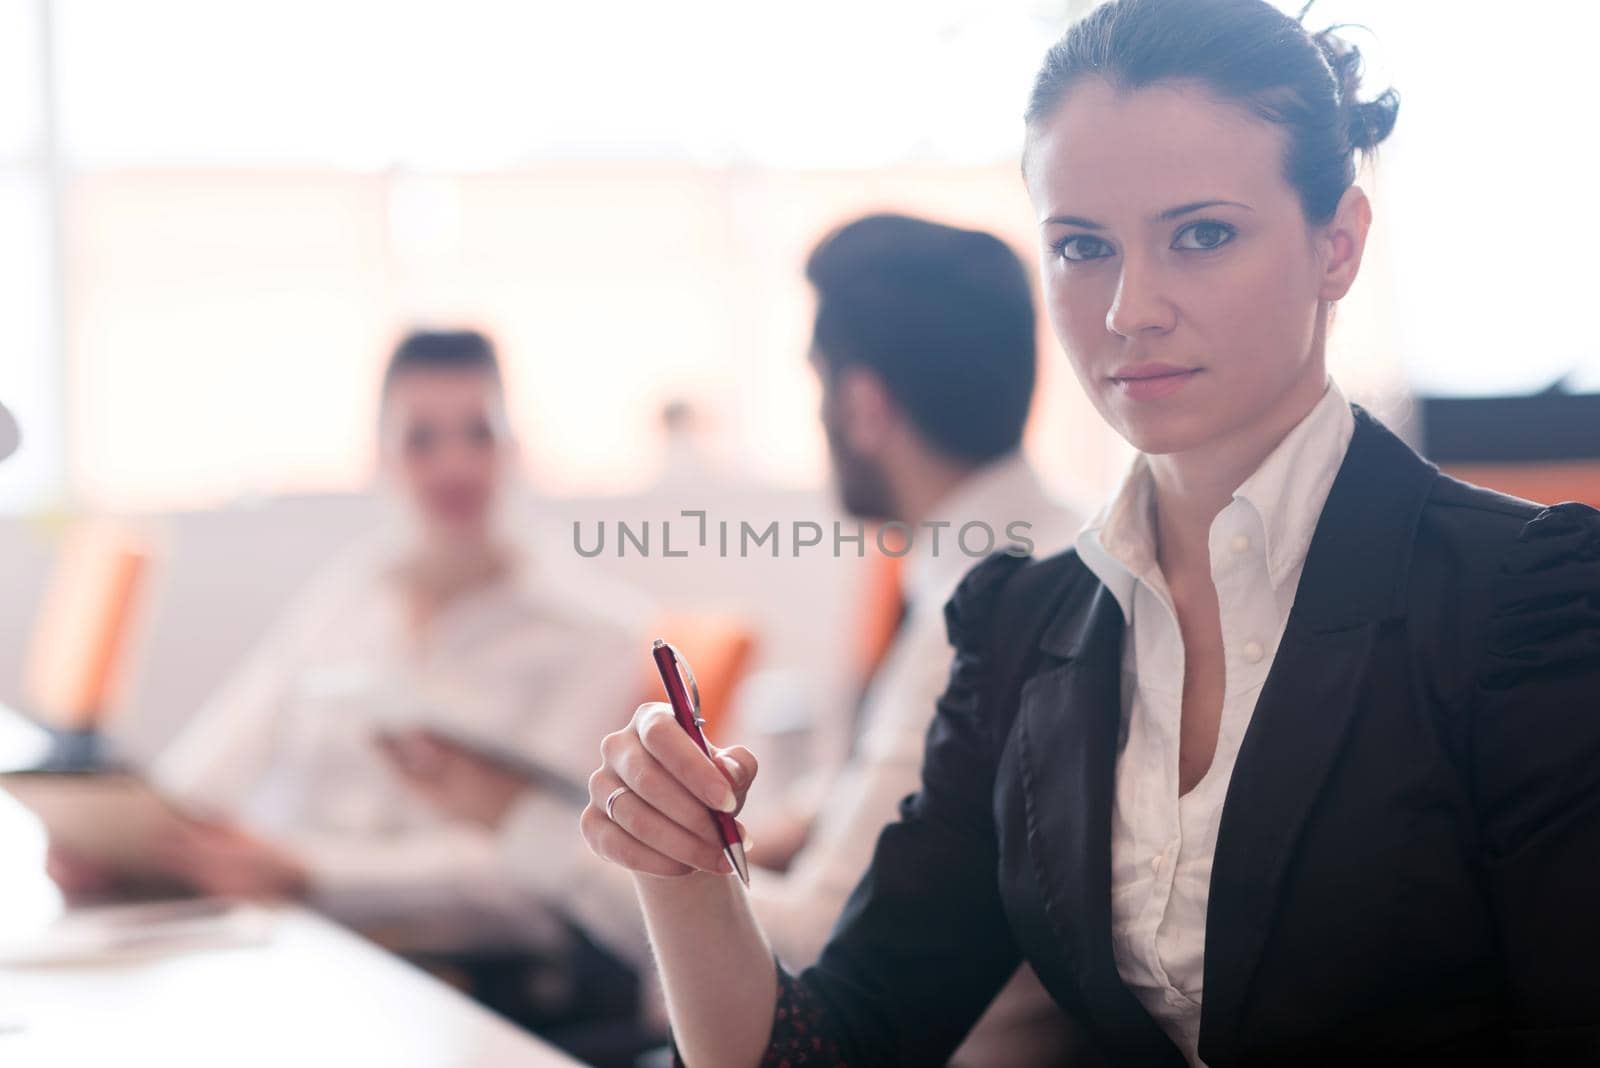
673	670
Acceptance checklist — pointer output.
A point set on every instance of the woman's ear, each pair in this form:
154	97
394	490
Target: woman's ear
1343	240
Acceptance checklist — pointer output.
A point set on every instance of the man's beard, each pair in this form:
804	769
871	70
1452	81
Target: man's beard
864	488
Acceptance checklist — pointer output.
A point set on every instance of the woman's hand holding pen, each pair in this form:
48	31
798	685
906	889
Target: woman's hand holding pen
717	970
657	784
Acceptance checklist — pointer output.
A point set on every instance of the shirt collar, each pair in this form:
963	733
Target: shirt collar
1001	492
1118	543
1290	487
1286	492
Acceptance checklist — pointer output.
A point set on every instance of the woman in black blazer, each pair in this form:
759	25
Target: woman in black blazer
1406	867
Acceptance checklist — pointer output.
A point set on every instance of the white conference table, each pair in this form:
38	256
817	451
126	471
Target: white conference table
305	993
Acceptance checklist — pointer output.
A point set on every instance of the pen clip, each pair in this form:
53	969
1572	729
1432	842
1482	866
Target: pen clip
686	673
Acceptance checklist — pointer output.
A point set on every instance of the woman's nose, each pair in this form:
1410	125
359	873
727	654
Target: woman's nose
1139	305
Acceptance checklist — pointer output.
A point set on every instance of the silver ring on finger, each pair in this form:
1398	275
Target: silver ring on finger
611	802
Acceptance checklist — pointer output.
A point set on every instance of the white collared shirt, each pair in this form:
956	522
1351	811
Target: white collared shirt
287	746
1162	844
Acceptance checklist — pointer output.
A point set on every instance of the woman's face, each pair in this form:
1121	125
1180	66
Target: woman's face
1186	324
445	447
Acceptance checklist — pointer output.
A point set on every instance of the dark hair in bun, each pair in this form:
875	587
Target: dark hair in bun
1367	123
1245	51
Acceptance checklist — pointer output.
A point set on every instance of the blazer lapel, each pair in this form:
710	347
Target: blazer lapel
1354	578
1299	721
1068	719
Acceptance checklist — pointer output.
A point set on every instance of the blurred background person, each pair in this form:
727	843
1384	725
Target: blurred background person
686	462
10	433
451	626
923	341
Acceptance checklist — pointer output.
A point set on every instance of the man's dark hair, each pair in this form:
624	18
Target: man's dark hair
943	316
442	350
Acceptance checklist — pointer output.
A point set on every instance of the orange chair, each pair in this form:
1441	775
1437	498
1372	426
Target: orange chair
81	635
718	648
1545	482
880	607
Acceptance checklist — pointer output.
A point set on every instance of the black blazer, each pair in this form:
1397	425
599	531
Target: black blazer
1407	869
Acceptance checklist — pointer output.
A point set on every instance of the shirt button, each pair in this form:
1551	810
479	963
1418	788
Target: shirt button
1240	543
1253	652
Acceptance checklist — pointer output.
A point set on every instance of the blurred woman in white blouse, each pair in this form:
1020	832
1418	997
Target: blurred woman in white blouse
449	627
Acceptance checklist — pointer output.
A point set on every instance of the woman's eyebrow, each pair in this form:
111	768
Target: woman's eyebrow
1072	220
1170	213
1184	209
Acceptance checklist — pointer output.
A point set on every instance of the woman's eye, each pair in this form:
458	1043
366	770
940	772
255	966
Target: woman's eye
1080	247
1207	235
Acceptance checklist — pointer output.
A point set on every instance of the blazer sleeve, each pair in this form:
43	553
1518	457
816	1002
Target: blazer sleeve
1536	774
923	946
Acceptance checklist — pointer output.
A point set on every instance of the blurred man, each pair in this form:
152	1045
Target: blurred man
446	622
924	342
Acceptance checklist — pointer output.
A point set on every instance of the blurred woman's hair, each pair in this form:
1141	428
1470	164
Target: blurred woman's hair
1242	51
442	350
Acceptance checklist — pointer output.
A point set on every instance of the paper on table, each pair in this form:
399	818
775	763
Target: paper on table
115	932
113	818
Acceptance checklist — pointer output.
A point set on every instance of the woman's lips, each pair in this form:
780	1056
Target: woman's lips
1147	381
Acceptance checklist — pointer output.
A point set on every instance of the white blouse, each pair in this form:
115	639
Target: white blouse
1162	844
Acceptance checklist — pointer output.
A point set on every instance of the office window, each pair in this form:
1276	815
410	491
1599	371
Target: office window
624	193
30	371
21	82
1484	184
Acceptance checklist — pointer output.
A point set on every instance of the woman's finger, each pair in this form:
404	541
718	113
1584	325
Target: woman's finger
636	816
630	765
740	765
629	758
610	842
646	825
675	751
